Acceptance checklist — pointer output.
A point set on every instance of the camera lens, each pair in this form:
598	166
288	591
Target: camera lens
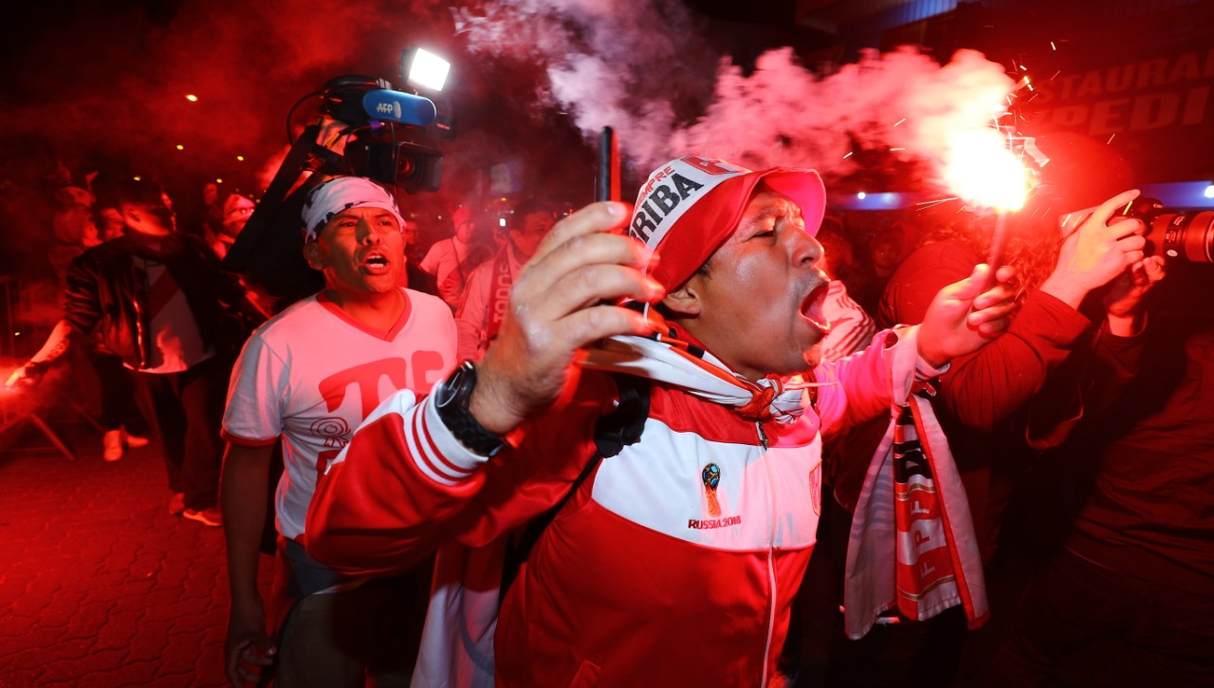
1185	236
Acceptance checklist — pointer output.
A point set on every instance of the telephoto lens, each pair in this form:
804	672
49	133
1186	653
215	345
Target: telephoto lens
1185	236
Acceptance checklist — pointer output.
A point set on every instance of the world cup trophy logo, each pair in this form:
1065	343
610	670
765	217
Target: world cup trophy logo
711	477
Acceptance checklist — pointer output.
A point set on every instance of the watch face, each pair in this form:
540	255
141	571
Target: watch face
451	388
451	401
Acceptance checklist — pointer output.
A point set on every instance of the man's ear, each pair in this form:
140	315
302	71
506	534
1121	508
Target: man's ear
685	300
311	253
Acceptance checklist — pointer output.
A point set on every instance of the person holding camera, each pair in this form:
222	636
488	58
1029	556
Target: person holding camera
1127	598
675	559
992	404
307	378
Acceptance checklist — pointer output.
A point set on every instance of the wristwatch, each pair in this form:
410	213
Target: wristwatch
451	400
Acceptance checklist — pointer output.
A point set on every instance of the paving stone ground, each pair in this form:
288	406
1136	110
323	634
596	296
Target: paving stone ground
99	586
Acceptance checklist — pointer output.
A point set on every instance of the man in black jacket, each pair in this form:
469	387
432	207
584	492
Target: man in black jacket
159	300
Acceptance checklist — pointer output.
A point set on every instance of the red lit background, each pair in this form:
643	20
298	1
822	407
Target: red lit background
97	585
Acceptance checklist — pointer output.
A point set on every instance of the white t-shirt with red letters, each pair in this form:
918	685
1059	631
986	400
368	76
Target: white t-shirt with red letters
312	374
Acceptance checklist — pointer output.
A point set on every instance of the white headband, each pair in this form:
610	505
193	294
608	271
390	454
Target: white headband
343	193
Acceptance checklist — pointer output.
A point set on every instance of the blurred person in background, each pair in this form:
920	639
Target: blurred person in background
72	228
80	223
416	278
488	291
452	260
158	299
236	212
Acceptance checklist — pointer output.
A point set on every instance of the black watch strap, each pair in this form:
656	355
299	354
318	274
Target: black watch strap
451	400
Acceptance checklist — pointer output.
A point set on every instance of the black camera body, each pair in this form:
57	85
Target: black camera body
375	150
385	128
1185	236
411	166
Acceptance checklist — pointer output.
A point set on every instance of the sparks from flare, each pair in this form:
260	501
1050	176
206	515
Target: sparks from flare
986	168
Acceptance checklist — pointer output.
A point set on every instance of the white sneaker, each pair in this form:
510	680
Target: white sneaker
133	441
113	445
207	517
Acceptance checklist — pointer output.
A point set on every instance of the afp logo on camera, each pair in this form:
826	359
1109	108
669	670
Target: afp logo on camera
388	109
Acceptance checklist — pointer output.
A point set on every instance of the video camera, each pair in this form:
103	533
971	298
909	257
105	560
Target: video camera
384	130
372	108
1187	236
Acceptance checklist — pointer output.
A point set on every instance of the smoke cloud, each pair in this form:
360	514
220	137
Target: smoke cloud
902	103
636	65
98	85
113	81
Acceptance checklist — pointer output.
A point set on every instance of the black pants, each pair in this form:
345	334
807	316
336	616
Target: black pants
117	394
186	410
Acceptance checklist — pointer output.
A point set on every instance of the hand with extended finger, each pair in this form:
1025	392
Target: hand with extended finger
555	310
965	316
1100	249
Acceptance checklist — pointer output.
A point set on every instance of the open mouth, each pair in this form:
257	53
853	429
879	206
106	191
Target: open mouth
376	262
813	308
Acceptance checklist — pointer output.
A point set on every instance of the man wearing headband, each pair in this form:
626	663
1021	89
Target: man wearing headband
308	377
675	559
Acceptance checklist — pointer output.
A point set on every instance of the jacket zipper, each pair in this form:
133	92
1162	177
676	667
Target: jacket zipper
771	566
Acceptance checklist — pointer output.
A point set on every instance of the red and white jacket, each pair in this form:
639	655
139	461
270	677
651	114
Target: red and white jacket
648	576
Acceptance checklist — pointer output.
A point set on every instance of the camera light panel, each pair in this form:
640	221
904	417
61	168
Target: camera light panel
427	70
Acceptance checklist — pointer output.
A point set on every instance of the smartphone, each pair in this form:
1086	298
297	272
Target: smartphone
607	186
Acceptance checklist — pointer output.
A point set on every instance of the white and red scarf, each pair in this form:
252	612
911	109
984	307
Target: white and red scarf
501	278
663	357
912	503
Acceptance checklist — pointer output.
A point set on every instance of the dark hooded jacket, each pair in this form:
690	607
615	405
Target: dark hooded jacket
107	292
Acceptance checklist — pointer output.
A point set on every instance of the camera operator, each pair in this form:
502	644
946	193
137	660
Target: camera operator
309	376
272	264
365	129
989	402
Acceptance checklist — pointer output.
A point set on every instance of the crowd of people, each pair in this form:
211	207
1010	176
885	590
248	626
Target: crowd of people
601	448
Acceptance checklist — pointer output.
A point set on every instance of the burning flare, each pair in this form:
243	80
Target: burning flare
983	171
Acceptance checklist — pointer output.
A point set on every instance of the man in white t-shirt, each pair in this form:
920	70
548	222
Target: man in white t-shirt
488	290
309	377
451	260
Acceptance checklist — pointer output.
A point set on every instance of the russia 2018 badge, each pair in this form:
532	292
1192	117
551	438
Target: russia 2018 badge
711	477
